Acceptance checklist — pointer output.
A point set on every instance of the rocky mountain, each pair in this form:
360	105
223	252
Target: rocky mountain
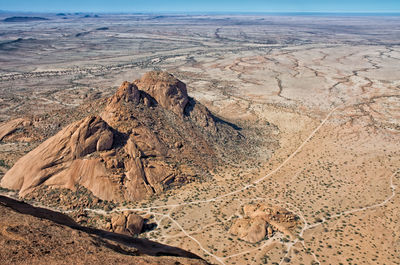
149	135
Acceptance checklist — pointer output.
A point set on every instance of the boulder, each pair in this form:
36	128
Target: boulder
250	230
261	221
127	223
134	224
168	91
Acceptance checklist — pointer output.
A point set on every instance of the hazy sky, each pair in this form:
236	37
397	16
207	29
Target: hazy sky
202	6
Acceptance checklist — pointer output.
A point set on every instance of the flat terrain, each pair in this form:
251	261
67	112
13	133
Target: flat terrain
330	85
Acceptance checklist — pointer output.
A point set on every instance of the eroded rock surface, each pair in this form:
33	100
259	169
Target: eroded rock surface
60	160
168	91
127	223
11	126
261	221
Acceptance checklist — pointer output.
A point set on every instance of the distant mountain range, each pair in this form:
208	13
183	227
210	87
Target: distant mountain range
24	19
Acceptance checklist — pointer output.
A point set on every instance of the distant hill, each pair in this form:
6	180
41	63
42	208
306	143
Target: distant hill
24	19
103	28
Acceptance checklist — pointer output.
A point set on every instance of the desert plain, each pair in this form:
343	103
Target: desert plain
321	93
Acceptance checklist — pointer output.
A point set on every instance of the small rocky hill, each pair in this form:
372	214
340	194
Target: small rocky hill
261	221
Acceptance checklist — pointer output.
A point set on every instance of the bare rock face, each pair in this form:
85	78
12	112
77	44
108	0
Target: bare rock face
134	224
127	223
250	230
128	93
168	91
11	126
61	161
261	221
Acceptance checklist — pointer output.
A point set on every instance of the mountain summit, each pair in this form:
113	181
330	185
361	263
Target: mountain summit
150	135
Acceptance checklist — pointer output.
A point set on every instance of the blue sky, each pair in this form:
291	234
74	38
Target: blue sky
201	6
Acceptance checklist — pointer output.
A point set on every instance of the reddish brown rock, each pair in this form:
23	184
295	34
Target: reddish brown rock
118	223
127	223
9	127
127	92
168	91
261	220
134	224
60	160
105	141
250	230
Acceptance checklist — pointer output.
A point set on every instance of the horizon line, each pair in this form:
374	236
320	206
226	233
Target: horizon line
203	12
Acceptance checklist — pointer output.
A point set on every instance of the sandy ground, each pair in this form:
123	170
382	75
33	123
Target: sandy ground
332	91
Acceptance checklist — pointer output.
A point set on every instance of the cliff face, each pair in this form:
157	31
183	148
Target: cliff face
149	135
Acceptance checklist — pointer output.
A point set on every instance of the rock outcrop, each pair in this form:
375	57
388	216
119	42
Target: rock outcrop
11	126
251	230
61	161
168	91
261	221
148	135
127	223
